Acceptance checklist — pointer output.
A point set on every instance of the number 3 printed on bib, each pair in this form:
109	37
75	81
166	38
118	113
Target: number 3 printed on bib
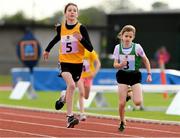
130	61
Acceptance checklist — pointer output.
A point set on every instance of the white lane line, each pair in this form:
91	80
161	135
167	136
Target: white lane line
95	123
130	119
74	129
149	129
23	132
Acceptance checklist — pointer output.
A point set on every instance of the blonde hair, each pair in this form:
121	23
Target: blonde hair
127	28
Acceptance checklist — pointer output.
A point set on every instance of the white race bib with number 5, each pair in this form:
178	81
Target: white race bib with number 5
69	44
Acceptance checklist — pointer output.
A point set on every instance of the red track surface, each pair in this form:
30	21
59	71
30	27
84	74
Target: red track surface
16	122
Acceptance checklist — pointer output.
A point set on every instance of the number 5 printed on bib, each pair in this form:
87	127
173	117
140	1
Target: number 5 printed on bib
69	44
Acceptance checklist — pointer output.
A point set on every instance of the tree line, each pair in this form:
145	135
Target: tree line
95	16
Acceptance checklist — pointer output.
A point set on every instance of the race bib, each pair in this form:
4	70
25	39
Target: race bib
69	44
86	66
130	61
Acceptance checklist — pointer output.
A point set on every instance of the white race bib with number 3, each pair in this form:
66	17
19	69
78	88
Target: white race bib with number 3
130	61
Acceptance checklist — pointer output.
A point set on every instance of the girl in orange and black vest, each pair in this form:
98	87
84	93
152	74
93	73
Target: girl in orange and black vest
74	40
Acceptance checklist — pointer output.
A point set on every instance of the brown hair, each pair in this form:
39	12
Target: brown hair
69	4
127	28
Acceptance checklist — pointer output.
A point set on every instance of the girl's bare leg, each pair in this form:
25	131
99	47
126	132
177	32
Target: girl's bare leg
81	95
122	91
69	91
137	94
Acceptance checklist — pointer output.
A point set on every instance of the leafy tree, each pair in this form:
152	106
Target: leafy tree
16	18
56	18
160	5
117	5
92	16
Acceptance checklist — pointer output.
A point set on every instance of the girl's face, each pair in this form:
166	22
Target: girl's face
71	13
127	38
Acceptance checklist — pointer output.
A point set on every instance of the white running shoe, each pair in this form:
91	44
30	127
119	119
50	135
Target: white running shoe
82	117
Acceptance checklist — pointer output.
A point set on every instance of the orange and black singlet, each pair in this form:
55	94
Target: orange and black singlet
64	32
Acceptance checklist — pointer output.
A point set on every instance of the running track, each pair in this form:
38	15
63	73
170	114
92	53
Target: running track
20	122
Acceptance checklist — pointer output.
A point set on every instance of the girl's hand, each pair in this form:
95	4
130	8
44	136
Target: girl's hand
77	36
124	63
46	55
149	78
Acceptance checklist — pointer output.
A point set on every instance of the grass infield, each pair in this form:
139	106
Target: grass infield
155	104
153	101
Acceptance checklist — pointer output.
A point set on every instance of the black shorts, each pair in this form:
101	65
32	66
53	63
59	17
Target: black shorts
74	69
128	77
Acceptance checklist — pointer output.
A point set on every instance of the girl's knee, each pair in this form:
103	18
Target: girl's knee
137	102
86	97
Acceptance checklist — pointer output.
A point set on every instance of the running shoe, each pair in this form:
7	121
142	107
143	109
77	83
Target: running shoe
72	121
60	103
122	126
82	117
141	108
128	94
128	98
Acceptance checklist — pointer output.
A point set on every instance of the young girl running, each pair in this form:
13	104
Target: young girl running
127	59
74	39
91	66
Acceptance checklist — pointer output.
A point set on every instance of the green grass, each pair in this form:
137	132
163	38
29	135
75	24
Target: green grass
44	100
154	100
5	80
47	99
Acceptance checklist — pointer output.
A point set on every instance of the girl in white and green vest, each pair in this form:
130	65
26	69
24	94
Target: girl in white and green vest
127	59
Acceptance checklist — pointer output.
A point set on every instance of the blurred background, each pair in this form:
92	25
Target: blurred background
157	24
